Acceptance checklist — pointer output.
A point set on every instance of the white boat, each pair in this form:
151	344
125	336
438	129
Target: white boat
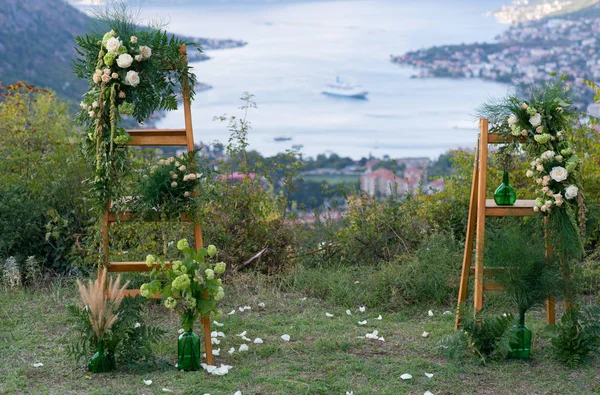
343	89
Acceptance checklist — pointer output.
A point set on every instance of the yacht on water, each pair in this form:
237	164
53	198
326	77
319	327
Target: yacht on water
343	89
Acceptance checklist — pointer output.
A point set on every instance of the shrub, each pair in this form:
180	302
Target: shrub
11	274
577	335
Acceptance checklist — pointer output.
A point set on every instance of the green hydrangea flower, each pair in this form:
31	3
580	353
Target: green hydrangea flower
531	111
178	268
170	303
220	267
220	294
109	59
210	274
542	138
145	291
212	250
567	151
150	260
122	50
571	166
182	282
126	108
122	139
182	244
191	302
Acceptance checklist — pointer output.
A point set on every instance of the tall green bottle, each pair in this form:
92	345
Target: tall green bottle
188	351
505	195
521	343
99	362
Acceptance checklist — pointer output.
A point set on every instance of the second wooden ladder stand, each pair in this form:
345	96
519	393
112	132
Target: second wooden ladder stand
158	137
479	209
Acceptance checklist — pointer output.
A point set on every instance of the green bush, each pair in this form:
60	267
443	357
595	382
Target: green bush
21	221
577	335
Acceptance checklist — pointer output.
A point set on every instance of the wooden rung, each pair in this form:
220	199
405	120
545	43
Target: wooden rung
129	267
488	271
133	293
495	138
492	286
130	216
151	137
521	208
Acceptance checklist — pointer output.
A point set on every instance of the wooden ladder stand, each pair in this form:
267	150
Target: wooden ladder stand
158	137
479	209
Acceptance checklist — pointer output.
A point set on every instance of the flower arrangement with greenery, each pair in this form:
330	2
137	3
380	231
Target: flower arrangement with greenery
190	286
168	187
545	119
132	71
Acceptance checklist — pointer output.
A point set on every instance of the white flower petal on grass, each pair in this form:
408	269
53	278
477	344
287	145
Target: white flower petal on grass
348	312
381	339
166	390
180	331
241	309
447	312
379	317
216	352
362	309
362	322
218	323
406	376
258	340
220	334
242	334
304	298
37	365
214	340
425	334
357	282
261	305
213	334
285	338
232	312
350	393
231	350
137	325
246	339
328	315
148	382
372	335
210	368
427	393
222	370
430	375
430	313
247	308
238	393
243	347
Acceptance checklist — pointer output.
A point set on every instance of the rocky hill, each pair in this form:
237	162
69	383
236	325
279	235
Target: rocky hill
36	44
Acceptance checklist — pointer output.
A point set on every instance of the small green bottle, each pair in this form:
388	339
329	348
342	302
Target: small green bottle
99	362
505	195
520	346
188	351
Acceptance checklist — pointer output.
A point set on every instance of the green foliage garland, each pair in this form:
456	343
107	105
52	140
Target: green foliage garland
544	116
131	71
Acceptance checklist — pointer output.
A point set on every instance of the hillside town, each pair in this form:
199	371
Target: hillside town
529	51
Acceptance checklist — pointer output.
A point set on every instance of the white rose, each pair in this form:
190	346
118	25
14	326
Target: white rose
124	60
132	78
536	209
524	106
548	203
524	133
139	58
94	104
559	158
558	173
174	184
529	173
536	120
133	39
186	194
540	168
113	44
182	168
192	176
512	119
548	155
539	129
91	114
538	181
571	192
545	189
145	51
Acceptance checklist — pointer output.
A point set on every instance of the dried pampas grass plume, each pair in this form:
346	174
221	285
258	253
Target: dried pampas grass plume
102	306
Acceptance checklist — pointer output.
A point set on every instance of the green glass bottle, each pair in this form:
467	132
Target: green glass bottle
505	195
521	344
99	362
188	351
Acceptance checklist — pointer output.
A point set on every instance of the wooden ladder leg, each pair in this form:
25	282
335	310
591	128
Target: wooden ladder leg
481	193
467	257
207	340
104	235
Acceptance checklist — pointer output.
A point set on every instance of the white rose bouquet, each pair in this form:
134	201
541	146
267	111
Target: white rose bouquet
133	73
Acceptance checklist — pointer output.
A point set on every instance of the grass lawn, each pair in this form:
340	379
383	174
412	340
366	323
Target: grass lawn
324	356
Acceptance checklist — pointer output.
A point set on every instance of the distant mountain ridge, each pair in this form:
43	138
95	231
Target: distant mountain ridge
37	46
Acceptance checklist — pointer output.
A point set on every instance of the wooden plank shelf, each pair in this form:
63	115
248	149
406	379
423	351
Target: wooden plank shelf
521	208
496	138
128	267
158	137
